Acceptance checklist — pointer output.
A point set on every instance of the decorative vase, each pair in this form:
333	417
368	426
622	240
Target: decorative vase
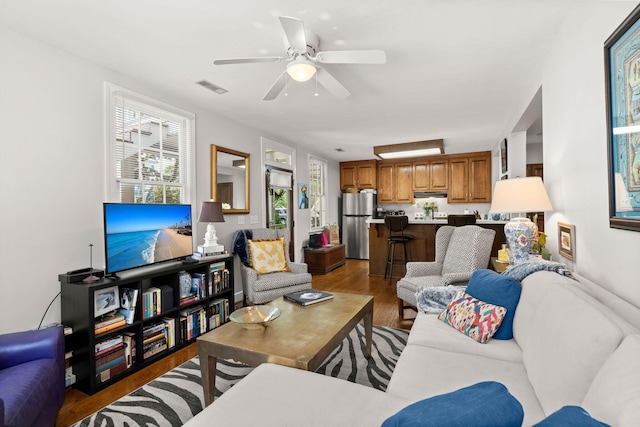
520	233
428	213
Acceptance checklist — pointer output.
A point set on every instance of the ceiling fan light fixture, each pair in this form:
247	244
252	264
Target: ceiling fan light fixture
301	70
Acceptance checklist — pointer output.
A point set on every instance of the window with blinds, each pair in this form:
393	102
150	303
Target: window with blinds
316	193
150	150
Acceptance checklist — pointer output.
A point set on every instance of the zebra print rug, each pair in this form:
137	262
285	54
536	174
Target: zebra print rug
176	397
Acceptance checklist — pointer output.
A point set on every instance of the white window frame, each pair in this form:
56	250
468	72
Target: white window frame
324	165
150	105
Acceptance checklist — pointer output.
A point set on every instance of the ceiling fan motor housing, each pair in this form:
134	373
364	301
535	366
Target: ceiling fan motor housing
313	44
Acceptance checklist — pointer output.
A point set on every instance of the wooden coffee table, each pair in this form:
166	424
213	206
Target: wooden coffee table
302	337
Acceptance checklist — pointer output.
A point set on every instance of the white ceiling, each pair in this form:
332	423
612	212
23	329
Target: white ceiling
456	69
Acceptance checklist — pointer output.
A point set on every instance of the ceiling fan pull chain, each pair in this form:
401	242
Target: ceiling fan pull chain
316	94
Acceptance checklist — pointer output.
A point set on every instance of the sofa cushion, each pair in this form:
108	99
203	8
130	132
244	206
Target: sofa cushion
267	256
565	338
272	281
278	396
23	387
570	416
494	288
485	403
423	372
428	330
474	318
614	395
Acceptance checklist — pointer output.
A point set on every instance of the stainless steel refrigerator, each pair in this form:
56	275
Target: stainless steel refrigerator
356	209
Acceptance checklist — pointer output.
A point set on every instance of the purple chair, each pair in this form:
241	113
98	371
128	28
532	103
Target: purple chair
31	377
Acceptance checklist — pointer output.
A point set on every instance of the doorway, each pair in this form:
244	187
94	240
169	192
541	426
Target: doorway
280	202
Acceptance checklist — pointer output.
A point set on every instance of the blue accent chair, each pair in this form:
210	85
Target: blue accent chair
31	377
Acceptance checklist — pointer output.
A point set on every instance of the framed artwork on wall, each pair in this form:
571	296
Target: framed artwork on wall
566	240
303	196
622	87
503	156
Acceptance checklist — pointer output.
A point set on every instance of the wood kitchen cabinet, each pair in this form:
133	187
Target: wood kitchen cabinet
359	174
395	182
431	175
470	178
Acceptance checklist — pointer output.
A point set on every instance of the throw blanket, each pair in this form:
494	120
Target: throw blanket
520	271
239	245
435	299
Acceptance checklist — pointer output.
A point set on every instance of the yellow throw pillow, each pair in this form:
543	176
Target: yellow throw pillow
267	256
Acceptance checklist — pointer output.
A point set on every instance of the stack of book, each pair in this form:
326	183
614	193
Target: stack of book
218	278
110	358
129	339
109	322
154	340
193	323
69	376
219	313
152	302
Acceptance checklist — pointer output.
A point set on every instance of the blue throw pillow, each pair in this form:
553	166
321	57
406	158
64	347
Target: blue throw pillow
570	416
491	287
486	404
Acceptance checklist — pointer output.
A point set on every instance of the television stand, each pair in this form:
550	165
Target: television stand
158	307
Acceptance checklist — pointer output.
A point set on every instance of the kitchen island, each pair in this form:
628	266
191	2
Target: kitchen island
423	245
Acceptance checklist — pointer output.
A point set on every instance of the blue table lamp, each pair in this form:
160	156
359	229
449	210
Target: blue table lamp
519	196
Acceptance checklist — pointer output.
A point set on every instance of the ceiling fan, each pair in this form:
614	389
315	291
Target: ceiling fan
304	60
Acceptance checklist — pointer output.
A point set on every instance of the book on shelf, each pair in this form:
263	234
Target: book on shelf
108	319
109	349
308	297
152	302
110	327
170	331
108	343
107	373
129	339
128	302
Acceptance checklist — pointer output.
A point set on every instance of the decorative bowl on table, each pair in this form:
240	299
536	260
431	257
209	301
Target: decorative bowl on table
255	316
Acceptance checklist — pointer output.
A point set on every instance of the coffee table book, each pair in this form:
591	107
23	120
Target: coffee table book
308	297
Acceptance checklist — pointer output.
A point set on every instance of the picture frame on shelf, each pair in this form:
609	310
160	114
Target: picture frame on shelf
566	240
106	300
622	83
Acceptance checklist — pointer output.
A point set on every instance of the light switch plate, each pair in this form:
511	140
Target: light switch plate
241	219
254	219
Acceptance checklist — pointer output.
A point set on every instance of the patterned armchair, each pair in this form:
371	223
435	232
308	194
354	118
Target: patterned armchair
459	252
262	288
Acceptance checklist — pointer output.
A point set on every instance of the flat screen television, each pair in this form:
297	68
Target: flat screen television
137	235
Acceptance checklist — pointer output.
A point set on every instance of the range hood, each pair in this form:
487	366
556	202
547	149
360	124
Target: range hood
427	194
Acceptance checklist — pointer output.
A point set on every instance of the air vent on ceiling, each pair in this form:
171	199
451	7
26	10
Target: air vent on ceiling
211	86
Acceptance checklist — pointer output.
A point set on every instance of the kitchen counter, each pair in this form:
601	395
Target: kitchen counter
440	221
423	244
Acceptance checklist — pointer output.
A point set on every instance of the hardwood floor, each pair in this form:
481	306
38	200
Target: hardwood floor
351	278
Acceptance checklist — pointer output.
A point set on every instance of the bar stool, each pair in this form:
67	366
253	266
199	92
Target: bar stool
396	224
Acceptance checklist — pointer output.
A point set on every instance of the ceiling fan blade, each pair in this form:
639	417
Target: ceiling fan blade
276	88
294	31
247	60
331	84
352	57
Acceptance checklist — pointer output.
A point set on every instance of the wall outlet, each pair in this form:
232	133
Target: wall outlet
241	219
254	219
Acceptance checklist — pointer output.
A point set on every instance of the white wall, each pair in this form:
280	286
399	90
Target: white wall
575	149
52	170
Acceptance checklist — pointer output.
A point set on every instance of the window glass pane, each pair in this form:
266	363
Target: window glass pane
151	170
278	156
153	194
174	195
170	168
130	193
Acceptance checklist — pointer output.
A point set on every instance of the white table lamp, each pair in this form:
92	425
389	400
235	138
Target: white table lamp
519	196
211	212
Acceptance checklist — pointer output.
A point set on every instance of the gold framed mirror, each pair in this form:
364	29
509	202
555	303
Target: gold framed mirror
230	179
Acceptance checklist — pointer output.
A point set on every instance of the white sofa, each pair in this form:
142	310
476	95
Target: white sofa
574	344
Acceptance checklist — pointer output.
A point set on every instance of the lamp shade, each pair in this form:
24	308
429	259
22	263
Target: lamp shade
520	195
211	212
